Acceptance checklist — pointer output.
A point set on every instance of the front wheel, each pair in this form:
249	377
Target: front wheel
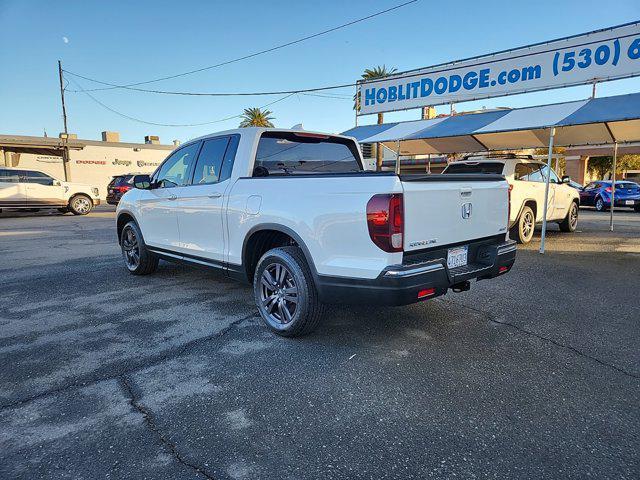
523	229
80	205
285	293
137	258
600	204
570	223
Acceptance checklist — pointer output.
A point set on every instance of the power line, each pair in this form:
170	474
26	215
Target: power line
218	94
128	117
111	86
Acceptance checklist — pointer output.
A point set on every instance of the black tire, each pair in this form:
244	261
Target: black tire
137	258
570	222
599	204
80	204
275	299
522	231
635	209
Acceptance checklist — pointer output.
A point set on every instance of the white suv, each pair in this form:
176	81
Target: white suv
33	190
526	178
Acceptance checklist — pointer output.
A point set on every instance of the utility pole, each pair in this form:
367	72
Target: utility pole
65	140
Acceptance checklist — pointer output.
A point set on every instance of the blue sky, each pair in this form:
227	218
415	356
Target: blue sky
124	42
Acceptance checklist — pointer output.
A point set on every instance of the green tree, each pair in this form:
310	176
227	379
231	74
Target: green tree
600	166
375	73
256	117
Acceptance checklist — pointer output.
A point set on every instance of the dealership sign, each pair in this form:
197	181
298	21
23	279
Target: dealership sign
607	54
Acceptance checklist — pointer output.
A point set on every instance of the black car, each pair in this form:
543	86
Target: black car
118	186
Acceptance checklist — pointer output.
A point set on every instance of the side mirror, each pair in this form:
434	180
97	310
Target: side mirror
143	182
566	179
57	183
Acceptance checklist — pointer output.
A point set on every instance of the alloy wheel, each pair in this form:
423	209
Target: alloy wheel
81	205
278	294
527	225
573	216
131	248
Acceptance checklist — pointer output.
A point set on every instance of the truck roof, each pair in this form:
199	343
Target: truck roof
256	131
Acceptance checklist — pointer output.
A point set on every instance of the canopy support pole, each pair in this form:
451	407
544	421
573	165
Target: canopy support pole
613	185
398	158
552	133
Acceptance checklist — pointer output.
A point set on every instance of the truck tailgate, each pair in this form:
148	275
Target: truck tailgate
445	209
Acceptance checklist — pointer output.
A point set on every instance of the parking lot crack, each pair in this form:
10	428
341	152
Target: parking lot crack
152	425
492	318
155	360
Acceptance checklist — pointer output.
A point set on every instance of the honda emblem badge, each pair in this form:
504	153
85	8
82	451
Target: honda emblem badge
466	210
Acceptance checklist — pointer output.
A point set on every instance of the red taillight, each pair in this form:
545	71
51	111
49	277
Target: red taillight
608	189
385	219
503	269
124	188
427	292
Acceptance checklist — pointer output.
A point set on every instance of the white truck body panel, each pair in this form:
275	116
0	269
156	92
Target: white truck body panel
434	212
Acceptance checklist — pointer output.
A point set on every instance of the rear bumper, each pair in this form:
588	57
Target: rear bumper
113	198
405	284
622	202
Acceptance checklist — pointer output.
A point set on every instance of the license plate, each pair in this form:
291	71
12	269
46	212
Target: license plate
629	202
457	257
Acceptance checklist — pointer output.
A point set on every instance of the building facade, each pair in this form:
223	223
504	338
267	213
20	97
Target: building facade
93	162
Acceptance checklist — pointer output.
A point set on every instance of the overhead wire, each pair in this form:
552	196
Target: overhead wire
146	122
130	86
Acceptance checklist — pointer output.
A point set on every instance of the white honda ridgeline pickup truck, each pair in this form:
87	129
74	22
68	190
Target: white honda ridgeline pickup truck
296	214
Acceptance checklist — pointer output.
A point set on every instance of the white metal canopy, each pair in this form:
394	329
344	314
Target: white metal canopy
595	121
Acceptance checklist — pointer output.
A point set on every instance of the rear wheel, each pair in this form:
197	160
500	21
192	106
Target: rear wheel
600	204
570	223
137	258
80	204
636	208
285	293
523	229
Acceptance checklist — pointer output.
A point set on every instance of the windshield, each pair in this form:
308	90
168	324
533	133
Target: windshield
480	167
290	153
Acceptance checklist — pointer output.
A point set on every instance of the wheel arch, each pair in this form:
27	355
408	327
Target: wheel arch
258	237
123	218
529	202
74	195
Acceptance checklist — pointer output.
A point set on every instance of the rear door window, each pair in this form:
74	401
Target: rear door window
522	172
292	153
10	176
209	166
480	167
537	172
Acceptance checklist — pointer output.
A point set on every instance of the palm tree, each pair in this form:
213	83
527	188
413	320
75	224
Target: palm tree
256	117
375	73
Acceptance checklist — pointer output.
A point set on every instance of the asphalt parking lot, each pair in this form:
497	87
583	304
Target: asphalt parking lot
107	375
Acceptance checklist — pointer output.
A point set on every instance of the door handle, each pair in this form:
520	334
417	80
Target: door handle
215	195
173	197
